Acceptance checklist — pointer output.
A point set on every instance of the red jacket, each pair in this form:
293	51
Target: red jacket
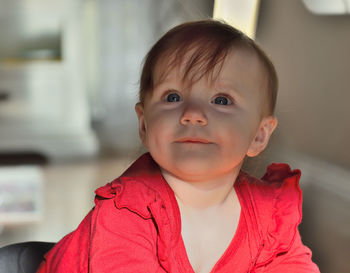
136	227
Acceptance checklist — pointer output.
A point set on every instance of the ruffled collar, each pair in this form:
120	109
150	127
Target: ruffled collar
274	201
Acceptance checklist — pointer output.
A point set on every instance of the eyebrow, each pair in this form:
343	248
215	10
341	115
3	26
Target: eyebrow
159	87
216	85
229	87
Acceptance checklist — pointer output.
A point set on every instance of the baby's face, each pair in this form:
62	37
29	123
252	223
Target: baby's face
206	130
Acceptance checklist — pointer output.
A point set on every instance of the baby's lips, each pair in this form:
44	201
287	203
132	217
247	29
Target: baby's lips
193	140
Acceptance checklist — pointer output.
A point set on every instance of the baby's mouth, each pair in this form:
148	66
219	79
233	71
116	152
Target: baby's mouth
193	140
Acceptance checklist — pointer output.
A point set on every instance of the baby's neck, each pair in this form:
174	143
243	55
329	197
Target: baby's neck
202	195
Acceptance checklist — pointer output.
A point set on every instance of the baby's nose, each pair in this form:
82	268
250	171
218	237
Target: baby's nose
193	114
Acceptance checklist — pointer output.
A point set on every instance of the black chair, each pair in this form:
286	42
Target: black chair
23	257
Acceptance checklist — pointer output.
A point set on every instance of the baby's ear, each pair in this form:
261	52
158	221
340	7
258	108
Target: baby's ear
265	130
141	117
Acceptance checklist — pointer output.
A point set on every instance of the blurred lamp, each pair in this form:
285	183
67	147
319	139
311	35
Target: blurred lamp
328	7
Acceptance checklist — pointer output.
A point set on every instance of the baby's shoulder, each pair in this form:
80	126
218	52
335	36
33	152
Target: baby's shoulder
274	198
275	202
279	181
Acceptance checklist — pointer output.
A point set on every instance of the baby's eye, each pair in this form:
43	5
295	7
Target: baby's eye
173	97
222	100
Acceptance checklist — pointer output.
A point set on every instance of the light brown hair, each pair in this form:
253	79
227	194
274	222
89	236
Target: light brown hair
209	42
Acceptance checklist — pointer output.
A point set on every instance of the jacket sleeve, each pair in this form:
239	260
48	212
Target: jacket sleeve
71	253
108	240
297	259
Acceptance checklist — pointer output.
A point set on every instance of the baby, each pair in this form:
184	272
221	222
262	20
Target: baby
207	99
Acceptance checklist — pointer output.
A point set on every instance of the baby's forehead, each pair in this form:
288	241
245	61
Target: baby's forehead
189	69
174	78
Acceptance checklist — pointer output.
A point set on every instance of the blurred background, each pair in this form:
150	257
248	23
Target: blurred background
69	72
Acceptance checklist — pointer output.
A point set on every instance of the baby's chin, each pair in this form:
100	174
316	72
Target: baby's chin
192	165
194	172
